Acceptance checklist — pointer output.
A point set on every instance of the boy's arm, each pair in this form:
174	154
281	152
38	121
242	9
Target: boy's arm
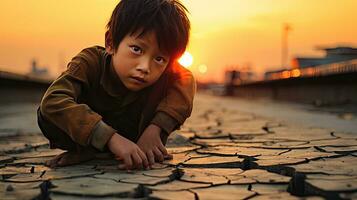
83	125
60	103
171	113
176	107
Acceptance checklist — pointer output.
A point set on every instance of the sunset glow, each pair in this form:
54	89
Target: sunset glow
224	33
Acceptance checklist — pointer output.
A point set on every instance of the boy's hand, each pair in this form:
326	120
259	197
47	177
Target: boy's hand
150	143
127	151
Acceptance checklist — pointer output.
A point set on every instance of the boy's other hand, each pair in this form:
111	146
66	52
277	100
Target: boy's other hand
150	143
127	151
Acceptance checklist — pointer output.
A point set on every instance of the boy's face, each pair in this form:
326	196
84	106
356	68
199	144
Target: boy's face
138	61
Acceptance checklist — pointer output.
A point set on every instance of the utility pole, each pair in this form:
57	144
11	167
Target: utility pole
284	46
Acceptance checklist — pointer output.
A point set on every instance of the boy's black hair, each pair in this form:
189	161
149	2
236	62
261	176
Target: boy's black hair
167	18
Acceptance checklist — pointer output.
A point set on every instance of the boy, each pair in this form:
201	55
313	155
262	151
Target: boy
126	97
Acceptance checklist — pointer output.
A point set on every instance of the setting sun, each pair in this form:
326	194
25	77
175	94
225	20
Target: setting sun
186	59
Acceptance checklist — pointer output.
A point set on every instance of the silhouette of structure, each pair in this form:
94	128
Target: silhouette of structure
36	71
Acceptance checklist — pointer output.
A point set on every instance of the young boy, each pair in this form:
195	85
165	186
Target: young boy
126	97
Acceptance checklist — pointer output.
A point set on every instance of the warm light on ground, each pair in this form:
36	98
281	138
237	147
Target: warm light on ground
202	68
186	59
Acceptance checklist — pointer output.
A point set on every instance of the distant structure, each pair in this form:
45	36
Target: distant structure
36	71
237	76
333	55
337	60
284	44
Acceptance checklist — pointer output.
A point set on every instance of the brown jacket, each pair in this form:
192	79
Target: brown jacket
89	94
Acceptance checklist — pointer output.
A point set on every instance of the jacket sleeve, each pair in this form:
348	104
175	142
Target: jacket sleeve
61	106
176	106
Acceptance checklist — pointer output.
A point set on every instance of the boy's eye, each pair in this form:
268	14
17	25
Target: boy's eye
135	49
160	60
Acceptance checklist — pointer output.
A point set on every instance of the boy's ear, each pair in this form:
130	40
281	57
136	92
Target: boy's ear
109	43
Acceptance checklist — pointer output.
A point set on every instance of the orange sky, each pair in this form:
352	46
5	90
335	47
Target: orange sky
225	32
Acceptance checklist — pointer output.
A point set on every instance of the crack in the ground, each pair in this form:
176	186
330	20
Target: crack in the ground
298	184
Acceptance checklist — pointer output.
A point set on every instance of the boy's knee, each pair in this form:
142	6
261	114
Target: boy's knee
56	137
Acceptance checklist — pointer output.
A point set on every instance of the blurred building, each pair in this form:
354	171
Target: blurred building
332	55
337	60
39	72
236	77
233	78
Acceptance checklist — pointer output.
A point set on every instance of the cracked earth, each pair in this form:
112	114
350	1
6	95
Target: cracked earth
219	153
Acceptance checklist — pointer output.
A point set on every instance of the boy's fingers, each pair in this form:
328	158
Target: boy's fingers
168	157
128	162
151	157
158	155
163	149
122	166
137	161
144	159
166	154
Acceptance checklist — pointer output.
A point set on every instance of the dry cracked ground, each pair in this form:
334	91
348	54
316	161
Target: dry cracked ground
219	153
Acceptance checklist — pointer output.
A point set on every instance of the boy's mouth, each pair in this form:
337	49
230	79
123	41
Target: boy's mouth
138	79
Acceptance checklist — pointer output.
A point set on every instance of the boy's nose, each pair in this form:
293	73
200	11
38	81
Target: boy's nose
144	67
